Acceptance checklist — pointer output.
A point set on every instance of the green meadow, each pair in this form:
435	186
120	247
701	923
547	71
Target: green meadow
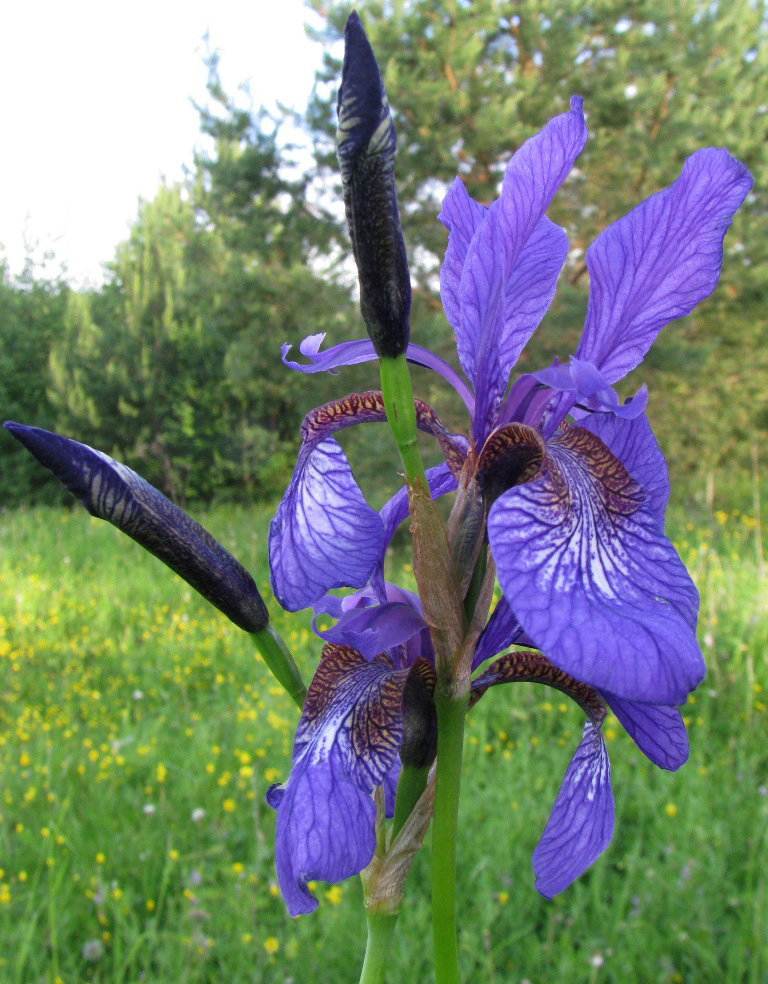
139	731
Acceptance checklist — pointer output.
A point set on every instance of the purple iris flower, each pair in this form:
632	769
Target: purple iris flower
574	513
370	706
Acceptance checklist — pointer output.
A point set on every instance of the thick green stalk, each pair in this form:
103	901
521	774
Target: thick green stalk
401	415
278	658
451	712
381	925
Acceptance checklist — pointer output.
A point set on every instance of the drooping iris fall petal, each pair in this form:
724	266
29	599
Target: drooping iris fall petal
657	730
592	578
346	745
580	826
324	534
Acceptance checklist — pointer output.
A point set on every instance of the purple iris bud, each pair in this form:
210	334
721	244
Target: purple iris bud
111	491
366	148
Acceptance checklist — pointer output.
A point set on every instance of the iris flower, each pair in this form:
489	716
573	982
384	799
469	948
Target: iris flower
573	511
369	708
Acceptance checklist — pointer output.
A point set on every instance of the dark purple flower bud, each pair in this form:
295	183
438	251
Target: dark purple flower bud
366	147
111	491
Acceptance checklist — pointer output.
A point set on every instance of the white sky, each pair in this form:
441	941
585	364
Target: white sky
95	107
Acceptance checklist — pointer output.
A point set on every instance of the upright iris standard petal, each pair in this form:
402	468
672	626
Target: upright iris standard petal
504	297
366	148
462	216
592	578
580	826
659	261
346	744
508	268
537	170
111	491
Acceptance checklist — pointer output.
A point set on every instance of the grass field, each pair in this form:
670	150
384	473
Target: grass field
138	732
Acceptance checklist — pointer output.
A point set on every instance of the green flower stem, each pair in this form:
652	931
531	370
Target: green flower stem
410	786
278	658
381	926
451	712
401	415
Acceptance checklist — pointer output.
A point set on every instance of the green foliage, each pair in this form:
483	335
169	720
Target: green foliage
31	312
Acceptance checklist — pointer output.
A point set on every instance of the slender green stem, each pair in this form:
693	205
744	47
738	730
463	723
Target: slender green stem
401	415
410	786
450	743
381	925
278	658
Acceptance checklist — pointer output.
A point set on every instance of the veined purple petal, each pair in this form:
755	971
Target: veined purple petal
657	730
325	831
536	171
111	491
592	578
376	619
505	292
324	535
501	265
633	443
346	354
580	826
530	288
462	216
346	744
659	261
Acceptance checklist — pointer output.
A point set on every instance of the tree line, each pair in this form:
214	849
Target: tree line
173	364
